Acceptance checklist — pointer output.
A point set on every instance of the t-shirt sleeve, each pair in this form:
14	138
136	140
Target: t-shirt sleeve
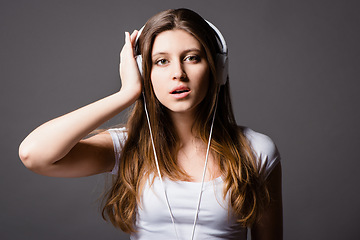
265	150
118	136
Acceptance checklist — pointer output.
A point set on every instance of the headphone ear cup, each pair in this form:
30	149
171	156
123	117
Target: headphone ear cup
222	66
139	63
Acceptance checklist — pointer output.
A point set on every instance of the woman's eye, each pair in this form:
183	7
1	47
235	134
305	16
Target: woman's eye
192	58
161	62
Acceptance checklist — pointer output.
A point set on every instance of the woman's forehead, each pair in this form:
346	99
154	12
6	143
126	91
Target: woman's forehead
173	41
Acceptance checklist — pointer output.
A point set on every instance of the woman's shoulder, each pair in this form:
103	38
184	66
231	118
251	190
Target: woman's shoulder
118	133
118	129
261	143
264	149
118	136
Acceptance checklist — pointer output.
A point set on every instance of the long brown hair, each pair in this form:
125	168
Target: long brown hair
241	174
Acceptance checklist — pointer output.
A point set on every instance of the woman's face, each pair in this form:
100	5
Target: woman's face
180	71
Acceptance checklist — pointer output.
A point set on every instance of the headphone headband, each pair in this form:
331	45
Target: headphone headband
220	37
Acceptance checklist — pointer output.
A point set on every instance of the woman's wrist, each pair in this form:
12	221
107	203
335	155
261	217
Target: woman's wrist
129	94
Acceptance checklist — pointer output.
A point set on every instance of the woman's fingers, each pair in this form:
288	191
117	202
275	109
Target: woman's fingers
133	37
130	41
127	41
128	48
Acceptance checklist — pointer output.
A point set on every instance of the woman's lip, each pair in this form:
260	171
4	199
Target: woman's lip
180	92
179	88
180	95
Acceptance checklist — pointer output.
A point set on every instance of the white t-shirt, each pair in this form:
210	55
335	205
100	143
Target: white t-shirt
214	222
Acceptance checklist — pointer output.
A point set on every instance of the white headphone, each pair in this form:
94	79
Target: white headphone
222	62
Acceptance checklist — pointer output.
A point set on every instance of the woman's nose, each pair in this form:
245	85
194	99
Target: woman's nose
178	71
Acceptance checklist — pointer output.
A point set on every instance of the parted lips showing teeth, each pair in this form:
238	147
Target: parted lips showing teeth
180	90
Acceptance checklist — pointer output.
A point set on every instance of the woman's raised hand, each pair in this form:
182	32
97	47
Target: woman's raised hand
57	148
129	72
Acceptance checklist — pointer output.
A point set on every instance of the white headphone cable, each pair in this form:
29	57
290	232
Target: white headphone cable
160	178
205	166
158	168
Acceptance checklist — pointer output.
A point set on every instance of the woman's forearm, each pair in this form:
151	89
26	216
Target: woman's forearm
54	139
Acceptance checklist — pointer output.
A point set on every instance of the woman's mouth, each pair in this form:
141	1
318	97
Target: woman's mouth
180	92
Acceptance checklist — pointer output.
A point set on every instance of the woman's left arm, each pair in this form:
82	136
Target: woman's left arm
270	225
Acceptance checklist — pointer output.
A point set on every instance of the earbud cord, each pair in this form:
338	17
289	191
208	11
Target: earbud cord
203	176
205	167
158	168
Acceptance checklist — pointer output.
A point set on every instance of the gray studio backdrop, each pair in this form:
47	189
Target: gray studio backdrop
294	72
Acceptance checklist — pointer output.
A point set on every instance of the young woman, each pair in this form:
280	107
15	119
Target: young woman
184	169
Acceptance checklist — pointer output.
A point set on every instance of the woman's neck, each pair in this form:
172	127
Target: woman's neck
192	153
183	123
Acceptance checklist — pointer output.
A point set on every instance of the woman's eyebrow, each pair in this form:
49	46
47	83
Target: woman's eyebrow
158	53
193	50
185	51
